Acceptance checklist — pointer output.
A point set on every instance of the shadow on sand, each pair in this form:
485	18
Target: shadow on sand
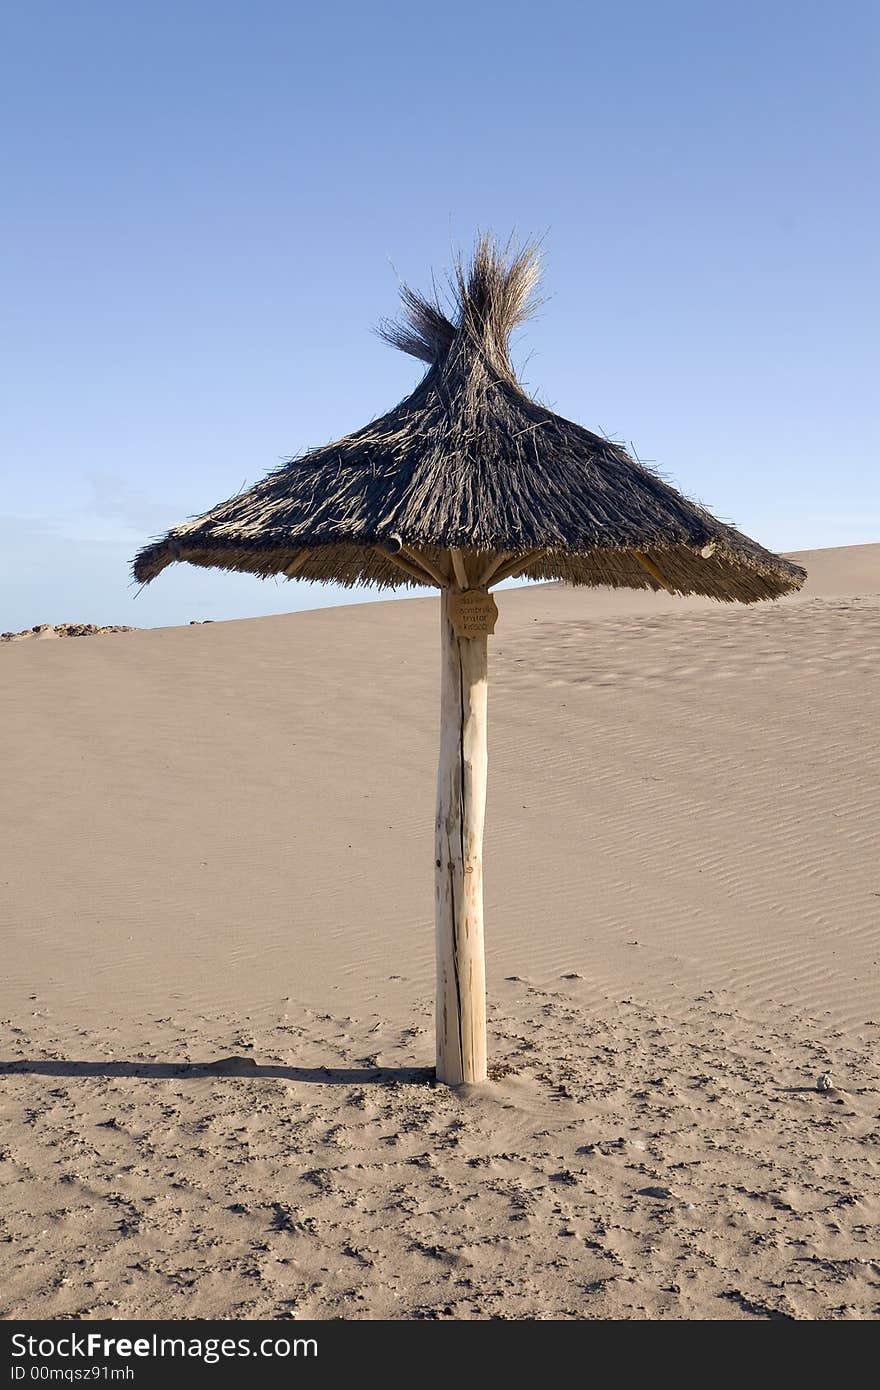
227	1066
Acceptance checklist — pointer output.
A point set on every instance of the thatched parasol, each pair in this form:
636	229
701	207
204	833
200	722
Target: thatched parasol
467	482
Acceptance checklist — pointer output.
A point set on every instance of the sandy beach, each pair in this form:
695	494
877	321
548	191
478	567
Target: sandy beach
217	844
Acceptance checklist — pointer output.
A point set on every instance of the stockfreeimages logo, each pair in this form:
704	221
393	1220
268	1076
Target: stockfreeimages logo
93	1346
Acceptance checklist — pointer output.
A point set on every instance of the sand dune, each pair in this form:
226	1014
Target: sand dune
218	841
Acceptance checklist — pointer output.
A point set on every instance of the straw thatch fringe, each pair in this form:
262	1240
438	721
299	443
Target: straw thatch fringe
468	461
356	565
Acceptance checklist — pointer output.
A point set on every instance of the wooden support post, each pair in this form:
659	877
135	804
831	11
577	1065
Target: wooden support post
458	568
296	565
425	564
461	805
494	563
515	566
656	574
414	571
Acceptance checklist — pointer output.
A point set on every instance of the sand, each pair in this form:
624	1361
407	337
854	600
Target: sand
218	843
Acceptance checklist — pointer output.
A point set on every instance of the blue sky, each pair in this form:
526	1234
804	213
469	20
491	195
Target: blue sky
207	207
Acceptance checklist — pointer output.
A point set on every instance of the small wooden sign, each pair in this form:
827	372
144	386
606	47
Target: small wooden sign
474	613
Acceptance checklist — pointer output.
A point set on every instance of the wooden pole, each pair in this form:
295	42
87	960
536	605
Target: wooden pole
461	805
424	563
656	574
515	566
458	569
297	564
414	571
494	564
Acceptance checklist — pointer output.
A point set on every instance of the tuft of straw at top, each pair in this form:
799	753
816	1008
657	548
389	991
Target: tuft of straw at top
489	296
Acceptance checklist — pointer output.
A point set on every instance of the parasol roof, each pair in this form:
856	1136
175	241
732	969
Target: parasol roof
469	461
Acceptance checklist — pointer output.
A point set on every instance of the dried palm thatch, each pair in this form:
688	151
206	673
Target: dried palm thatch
469	462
